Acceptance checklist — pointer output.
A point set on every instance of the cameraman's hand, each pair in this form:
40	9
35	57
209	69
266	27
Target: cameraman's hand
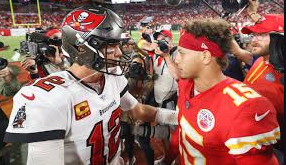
160	53
57	57
6	74
253	6
29	64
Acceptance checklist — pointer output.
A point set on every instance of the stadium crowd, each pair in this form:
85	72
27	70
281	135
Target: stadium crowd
161	13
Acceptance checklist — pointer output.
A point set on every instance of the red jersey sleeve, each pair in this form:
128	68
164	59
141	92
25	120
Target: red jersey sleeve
253	131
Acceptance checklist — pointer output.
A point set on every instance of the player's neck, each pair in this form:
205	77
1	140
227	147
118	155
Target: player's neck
205	82
88	75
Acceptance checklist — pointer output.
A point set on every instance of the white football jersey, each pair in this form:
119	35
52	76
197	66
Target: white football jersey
60	107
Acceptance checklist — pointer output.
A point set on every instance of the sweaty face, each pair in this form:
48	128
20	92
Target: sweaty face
113	54
188	62
260	44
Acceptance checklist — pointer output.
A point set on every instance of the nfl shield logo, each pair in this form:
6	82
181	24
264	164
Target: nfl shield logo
205	120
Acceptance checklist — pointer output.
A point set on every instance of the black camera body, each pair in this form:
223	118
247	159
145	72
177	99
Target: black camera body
37	44
136	70
163	46
3	63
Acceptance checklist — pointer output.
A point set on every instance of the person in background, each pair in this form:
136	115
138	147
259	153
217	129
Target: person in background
51	61
262	76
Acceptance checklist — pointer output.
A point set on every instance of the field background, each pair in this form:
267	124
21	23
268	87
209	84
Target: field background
14	42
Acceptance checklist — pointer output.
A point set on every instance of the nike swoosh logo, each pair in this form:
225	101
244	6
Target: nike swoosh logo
258	118
29	97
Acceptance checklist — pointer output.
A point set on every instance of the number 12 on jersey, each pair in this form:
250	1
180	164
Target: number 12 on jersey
96	140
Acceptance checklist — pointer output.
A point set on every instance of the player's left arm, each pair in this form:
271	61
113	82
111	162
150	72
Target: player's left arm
142	111
253	132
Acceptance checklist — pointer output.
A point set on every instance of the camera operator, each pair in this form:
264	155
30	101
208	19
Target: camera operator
165	85
9	85
49	60
145	44
141	87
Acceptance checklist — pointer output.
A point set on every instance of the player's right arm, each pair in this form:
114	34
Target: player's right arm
40	118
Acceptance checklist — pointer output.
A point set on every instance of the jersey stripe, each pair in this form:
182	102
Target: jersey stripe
124	90
259	74
241	145
190	131
252	74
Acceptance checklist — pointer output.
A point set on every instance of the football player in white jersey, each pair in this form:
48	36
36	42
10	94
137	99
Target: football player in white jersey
72	117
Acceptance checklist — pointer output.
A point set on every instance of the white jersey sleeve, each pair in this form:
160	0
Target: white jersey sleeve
128	102
39	115
122	84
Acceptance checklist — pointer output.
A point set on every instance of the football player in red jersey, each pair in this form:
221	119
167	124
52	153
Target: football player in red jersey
72	117
221	120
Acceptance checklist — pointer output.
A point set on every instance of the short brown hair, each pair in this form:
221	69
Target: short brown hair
216	30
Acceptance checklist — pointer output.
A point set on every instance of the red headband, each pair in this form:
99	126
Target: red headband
189	41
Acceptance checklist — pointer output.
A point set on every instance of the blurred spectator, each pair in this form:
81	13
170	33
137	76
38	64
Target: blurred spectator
9	85
262	74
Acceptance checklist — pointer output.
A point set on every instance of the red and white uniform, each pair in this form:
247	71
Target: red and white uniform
59	107
264	79
227	124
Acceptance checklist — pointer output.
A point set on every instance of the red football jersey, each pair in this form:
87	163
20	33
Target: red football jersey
264	79
227	124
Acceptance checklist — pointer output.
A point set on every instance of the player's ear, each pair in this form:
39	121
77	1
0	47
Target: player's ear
206	57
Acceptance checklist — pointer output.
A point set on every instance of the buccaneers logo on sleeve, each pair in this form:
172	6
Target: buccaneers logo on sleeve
83	21
20	117
81	110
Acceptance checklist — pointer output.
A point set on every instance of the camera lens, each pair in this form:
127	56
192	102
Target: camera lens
163	45
50	52
3	63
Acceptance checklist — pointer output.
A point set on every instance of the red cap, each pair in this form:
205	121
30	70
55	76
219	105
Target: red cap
52	32
269	23
167	33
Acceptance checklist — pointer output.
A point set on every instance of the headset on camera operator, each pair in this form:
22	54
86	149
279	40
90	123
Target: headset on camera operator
47	57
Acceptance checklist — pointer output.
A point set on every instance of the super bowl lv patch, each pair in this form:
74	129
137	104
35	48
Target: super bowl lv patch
20	117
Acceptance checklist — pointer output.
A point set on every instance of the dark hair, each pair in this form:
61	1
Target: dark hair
222	62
